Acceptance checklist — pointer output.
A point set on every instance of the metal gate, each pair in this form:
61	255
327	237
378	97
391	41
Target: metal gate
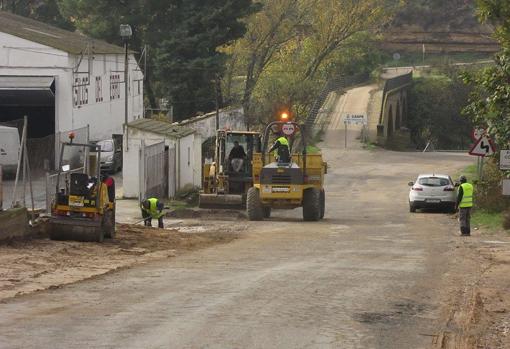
152	174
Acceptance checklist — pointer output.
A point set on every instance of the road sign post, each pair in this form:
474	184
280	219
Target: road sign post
483	147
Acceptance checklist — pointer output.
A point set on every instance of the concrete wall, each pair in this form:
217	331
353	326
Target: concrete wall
395	113
393	106
188	160
13	223
97	107
205	125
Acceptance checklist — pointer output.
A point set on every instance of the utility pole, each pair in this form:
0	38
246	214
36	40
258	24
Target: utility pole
217	88
126	33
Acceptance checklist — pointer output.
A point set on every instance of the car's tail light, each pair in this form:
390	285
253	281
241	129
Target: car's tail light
417	189
449	189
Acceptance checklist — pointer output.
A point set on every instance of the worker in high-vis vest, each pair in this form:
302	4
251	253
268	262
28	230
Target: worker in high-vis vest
465	203
152	208
281	149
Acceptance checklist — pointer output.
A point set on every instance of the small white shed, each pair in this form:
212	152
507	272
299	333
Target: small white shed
150	142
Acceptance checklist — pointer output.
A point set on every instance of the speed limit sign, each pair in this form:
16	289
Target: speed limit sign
288	129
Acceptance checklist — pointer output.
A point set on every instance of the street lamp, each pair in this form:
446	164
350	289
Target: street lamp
125	33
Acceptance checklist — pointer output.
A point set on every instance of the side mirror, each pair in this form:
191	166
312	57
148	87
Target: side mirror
66	168
410	184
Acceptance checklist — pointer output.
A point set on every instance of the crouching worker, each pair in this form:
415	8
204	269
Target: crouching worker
152	208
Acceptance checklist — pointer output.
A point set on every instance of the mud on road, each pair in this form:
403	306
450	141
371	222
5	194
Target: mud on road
32	265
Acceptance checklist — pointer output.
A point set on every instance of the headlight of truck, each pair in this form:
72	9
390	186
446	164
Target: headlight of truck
109	158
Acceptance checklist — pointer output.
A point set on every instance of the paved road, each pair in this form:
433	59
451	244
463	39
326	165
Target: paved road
365	277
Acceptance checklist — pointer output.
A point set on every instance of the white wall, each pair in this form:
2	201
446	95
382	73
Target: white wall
131	158
190	161
22	57
205	125
186	173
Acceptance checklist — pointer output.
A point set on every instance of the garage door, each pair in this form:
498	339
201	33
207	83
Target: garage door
27	90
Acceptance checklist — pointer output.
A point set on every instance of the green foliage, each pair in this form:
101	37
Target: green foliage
436	14
435	105
293	47
183	37
488	191
490	101
187	59
489	220
497	13
42	10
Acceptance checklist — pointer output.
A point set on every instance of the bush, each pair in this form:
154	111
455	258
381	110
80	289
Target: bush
489	195
435	105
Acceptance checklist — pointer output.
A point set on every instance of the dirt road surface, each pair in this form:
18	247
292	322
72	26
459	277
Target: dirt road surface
368	276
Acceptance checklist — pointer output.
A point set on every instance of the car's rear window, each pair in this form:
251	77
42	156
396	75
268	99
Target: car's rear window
433	181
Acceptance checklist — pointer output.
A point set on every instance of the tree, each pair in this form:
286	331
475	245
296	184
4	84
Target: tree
299	39
187	57
435	105
182	36
335	21
42	10
490	101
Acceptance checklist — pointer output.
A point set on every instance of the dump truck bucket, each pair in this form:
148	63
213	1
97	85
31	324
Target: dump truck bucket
86	230
221	201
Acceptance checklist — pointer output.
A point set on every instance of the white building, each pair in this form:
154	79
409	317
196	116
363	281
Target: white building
205	125
180	148
63	80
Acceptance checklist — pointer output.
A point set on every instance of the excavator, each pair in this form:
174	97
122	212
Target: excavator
83	207
227	178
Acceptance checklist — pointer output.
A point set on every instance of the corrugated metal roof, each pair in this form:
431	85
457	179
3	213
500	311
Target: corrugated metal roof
45	34
161	128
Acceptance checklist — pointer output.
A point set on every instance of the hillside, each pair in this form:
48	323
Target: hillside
442	26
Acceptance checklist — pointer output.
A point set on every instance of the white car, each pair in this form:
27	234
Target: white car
432	191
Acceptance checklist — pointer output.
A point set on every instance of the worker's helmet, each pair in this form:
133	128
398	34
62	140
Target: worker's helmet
462	179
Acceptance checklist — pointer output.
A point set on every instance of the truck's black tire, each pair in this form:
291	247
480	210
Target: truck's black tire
254	207
312	204
266	210
323	203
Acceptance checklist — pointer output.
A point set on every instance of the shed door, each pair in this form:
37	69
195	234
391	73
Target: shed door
153	177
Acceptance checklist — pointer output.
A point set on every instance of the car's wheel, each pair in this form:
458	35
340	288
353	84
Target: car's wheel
412	207
312	204
452	209
254	207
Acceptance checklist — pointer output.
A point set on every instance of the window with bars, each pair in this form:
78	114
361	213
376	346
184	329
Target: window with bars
99	89
114	86
80	91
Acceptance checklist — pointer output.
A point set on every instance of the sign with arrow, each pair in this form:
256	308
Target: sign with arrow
483	147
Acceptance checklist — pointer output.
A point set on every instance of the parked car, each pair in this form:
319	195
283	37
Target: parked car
432	191
9	150
111	154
